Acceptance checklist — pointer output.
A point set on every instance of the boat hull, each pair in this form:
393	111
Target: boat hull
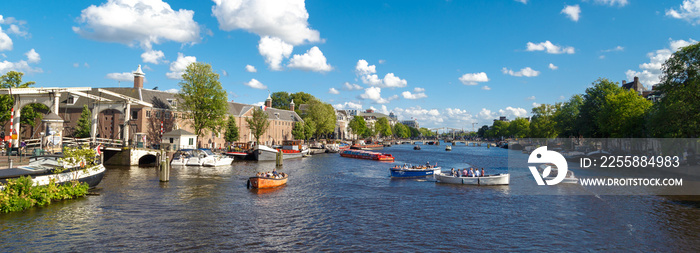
266	155
91	176
497	179
413	173
265	182
223	161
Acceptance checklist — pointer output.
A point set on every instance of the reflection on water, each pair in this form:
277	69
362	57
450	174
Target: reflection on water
343	204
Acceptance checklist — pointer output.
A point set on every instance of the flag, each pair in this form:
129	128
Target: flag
262	107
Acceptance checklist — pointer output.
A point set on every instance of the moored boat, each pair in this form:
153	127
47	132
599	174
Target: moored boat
260	182
367	146
410	172
416	147
448	148
369	155
554	171
265	153
43	169
496	179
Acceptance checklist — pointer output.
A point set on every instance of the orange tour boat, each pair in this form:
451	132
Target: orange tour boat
267	182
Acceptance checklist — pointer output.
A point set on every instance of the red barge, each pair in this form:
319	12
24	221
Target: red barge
369	155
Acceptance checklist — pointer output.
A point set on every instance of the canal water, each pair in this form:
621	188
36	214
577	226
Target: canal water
342	204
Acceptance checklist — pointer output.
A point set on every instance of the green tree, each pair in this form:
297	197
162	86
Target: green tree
414	132
82	129
401	131
623	114
499	129
567	118
383	127
593	102
258	123
482	131
309	129
232	134
542	124
519	128
677	114
203	98
298	131
323	116
426	132
13	79
280	100
358	126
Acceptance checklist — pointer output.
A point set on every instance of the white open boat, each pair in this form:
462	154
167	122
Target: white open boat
496	179
43	169
199	157
569	179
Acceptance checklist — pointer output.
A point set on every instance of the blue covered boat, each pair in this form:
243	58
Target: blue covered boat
411	172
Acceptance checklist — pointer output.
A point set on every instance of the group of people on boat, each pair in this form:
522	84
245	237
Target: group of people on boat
271	174
416	167
468	173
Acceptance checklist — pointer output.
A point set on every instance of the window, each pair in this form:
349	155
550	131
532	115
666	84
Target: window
157	114
167	115
191	141
171	140
148	114
172	102
134	115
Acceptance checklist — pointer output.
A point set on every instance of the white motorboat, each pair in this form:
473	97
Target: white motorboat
448	148
43	169
553	172
181	157
496	179
213	160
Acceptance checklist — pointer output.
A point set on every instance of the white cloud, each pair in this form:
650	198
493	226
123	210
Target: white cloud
615	49
473	78
250	68
619	3
562	97
381	61
284	19
15	26
651	71
312	60
348	105
351	86
172	90
153	56
550	48
75	65
573	11
508	112
178	67
486	87
274	50
224	72
368	76
124	76
255	84
522	1
530	98
688	11
535	104
21	66
390	80
375	94
425	116
32	56
5	41
526	72
333	91
553	67
417	94
363	68
145	22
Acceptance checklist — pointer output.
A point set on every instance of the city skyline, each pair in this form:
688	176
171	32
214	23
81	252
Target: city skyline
443	63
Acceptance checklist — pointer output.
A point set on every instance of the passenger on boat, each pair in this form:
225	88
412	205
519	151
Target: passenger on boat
483	174
476	173
453	172
471	172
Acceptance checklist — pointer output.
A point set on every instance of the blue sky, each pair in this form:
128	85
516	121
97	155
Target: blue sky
445	63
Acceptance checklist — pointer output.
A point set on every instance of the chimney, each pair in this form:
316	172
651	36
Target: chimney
268	101
138	78
291	106
636	79
624	82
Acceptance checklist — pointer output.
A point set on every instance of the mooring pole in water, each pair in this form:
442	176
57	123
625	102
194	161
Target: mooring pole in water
164	168
279	159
